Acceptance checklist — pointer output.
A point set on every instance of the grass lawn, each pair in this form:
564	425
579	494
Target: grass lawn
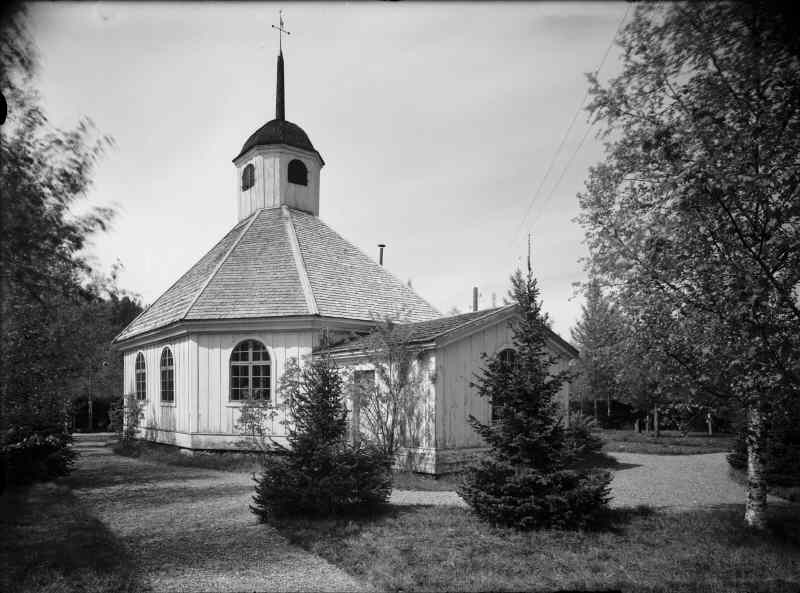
669	443
449	549
229	461
49	542
786	492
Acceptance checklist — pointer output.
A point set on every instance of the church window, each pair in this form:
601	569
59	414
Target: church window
508	358
167	376
248	177
250	372
298	173
141	378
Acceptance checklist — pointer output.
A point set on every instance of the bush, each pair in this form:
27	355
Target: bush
124	417
320	474
31	454
579	440
333	482
527	498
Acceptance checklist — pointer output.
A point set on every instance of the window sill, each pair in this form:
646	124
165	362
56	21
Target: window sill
168	404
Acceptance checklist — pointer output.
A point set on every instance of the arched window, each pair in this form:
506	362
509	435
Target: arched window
250	372
248	177
167	376
141	377
508	358
298	173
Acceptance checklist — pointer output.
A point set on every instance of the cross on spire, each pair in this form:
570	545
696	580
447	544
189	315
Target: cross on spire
281	31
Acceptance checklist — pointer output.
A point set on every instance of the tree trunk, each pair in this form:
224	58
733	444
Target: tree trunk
756	507
656	428
595	410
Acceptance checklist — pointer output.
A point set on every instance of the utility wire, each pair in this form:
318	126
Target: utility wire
565	136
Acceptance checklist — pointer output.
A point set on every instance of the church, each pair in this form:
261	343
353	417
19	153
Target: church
266	293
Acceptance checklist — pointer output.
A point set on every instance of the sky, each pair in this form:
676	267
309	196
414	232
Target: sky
440	126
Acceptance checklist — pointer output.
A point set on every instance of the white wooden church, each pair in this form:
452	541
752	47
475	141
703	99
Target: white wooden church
264	294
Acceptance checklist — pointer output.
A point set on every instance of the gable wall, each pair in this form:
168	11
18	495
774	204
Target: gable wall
457	364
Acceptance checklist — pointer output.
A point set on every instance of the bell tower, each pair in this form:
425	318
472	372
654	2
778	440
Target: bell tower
278	165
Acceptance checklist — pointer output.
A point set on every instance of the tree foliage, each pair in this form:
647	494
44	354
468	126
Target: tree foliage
525	480
319	473
694	218
598	335
58	315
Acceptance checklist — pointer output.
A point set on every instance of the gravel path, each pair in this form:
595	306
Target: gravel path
438	498
676	482
191	529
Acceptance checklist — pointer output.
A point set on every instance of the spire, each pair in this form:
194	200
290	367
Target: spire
280	102
280	112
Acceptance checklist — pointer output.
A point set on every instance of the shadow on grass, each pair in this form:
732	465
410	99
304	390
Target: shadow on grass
49	541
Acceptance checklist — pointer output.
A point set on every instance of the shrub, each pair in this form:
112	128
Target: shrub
320	473
579	439
125	415
526	498
525	480
31	454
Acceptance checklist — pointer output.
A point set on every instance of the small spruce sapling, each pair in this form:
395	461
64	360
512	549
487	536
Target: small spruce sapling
320	473
525	480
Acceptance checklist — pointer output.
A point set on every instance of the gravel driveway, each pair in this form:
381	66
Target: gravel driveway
191	529
676	482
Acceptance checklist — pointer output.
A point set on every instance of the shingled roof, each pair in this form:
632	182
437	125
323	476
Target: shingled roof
429	331
281	262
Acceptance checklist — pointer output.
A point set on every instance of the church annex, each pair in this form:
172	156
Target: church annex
265	293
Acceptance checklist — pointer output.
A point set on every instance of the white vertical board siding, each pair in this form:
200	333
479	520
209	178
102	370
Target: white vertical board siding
216	413
456	400
420	434
157	415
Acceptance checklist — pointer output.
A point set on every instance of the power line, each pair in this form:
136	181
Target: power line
566	135
561	177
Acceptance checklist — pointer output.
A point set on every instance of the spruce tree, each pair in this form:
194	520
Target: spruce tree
320	473
526	480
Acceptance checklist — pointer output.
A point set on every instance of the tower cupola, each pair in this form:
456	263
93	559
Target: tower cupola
278	165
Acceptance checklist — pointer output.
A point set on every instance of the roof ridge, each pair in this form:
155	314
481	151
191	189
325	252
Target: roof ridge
219	265
380	266
297	254
489	313
171	286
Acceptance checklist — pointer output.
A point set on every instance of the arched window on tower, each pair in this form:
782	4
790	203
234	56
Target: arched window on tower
140	374
298	173
250	372
248	177
167	376
508	359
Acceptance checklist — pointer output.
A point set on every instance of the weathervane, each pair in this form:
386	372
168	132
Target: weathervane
281	31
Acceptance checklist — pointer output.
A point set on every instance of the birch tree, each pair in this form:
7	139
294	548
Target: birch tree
696	204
